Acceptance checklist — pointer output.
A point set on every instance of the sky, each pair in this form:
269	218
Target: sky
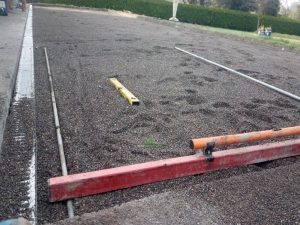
290	2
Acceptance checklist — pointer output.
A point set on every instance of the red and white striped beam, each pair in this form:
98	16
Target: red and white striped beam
90	183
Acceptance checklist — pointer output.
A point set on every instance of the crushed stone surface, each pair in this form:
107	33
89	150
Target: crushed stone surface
181	98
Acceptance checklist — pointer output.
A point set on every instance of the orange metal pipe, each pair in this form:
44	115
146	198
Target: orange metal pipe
244	138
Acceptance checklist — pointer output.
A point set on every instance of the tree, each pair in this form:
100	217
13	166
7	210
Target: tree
243	5
269	7
292	11
266	7
285	9
297	17
295	12
263	7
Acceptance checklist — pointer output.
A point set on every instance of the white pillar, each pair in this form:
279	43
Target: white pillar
175	5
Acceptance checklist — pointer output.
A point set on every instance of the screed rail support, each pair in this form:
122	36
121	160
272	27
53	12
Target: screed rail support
132	100
90	183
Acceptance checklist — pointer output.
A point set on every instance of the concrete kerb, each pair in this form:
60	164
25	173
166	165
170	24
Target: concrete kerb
6	95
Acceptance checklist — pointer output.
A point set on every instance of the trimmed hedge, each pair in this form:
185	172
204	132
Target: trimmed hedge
217	17
214	17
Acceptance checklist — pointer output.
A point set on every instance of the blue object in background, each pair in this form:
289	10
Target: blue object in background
9	222
19	221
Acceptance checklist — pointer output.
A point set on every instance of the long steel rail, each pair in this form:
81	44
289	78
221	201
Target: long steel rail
58	134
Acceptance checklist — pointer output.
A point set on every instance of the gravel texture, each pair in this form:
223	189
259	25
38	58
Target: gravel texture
17	151
181	97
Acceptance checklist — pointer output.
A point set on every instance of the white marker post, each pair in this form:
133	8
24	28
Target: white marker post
175	6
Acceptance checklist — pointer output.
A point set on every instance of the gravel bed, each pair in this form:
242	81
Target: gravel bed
17	151
181	97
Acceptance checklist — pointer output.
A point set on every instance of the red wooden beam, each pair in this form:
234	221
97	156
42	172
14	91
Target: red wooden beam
90	183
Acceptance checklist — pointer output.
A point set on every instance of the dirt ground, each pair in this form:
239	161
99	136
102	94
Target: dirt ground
181	98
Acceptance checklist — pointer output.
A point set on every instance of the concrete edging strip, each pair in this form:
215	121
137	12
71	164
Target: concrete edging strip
10	89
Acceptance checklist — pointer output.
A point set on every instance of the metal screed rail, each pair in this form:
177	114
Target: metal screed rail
295	97
58	134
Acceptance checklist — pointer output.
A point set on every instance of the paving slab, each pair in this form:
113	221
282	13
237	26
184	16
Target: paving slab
10	48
